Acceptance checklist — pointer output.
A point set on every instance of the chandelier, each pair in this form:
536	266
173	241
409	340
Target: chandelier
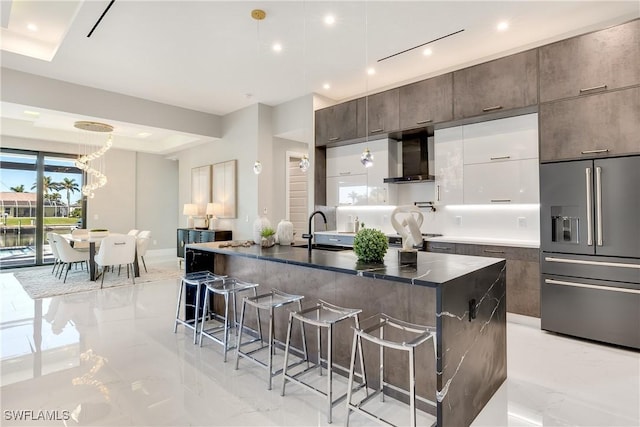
93	163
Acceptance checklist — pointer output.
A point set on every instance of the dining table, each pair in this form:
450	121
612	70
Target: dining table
94	242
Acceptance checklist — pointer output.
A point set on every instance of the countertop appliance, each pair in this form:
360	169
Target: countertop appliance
590	242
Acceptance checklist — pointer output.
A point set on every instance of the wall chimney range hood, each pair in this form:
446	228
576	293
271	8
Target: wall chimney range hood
415	157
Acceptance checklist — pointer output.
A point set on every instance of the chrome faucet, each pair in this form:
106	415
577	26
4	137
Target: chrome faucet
309	236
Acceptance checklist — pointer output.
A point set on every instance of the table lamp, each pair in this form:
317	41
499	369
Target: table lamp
190	209
213	209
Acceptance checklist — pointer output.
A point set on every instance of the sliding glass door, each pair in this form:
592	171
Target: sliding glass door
40	193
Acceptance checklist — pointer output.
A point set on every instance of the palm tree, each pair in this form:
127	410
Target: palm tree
70	186
48	185
18	188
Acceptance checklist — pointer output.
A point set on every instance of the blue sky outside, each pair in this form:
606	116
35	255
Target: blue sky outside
13	178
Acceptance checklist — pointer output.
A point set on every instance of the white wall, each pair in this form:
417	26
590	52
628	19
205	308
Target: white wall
157	198
141	191
239	141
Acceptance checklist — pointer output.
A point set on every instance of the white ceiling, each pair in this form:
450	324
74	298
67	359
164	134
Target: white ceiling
209	55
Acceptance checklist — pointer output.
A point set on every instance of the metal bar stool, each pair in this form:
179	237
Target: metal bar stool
226	287
192	279
323	315
423	334
268	301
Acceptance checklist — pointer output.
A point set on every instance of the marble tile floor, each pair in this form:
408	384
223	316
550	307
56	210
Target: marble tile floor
110	358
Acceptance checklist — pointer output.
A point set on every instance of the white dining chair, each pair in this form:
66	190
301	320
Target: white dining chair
54	251
144	233
133	232
143	244
68	255
117	249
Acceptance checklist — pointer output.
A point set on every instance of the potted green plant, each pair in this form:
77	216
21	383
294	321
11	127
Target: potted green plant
268	237
370	245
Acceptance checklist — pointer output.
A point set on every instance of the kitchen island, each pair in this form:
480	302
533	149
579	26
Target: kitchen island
463	296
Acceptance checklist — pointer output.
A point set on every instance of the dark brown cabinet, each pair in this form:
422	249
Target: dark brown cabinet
602	60
523	274
426	102
599	124
336	123
190	235
382	112
503	84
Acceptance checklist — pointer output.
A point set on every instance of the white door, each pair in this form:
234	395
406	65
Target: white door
297	194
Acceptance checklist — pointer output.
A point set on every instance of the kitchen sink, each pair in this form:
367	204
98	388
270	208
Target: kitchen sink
323	247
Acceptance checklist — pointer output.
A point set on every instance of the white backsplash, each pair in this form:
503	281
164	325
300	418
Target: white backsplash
512	222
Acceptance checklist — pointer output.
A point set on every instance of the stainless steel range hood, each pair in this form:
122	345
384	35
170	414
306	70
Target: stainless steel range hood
416	158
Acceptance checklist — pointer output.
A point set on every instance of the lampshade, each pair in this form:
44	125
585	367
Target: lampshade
214	209
190	209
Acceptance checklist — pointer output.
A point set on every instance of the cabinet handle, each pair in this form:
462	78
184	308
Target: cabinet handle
590	286
589	89
500	158
500	200
495	107
437	192
492	251
334	240
596	263
335	138
424	121
601	150
345	173
182	243
442	248
376	130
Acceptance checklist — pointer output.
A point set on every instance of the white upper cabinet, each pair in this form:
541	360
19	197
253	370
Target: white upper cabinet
513	138
350	183
502	183
448	159
345	160
498	160
501	161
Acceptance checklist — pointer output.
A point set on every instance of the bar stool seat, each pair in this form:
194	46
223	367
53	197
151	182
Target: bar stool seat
421	334
227	287
195	279
267	301
323	315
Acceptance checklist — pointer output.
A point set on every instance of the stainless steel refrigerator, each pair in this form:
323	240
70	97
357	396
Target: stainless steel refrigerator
590	242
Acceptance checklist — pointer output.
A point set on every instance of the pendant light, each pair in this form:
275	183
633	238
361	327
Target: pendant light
93	163
366	158
304	163
258	15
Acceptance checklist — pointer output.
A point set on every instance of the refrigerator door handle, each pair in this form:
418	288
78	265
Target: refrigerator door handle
590	286
599	236
596	263
588	180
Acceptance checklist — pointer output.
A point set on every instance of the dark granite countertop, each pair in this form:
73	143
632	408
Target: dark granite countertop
432	269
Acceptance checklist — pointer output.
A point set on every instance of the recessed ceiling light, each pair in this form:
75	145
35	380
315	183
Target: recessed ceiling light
503	26
32	27
144	134
329	19
427	52
371	71
31	113
277	47
326	86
